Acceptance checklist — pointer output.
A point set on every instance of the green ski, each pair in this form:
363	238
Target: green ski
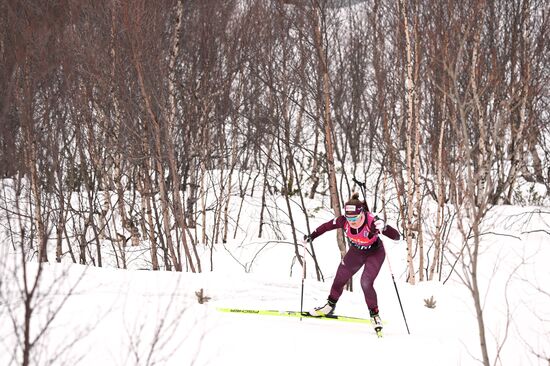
295	314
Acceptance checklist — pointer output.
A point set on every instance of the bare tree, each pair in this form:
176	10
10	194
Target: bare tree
476	127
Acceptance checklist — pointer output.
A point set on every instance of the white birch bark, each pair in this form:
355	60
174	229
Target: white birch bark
410	148
440	201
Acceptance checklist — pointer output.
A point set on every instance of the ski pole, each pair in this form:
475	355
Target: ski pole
397	292
303	278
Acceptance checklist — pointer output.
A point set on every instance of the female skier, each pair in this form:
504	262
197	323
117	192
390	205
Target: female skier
365	249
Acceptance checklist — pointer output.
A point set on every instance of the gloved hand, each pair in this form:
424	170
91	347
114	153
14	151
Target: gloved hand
380	225
307	239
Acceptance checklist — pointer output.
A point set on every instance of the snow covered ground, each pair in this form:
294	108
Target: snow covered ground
138	317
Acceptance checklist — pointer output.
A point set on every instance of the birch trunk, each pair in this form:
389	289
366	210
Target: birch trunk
416	150
219	207
440	202
117	158
329	145
315	169
264	186
165	206
176	180
192	197
410	91
234	148
203	200
146	197
31	157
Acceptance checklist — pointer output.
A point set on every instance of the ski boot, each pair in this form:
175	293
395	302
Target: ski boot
325	310
376	321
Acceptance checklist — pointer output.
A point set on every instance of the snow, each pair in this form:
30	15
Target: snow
138	317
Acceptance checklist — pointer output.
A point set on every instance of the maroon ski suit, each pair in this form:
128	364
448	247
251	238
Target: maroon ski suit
366	249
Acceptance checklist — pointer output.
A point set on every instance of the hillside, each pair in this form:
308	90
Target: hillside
117	317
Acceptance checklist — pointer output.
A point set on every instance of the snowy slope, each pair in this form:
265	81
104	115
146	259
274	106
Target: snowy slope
117	317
